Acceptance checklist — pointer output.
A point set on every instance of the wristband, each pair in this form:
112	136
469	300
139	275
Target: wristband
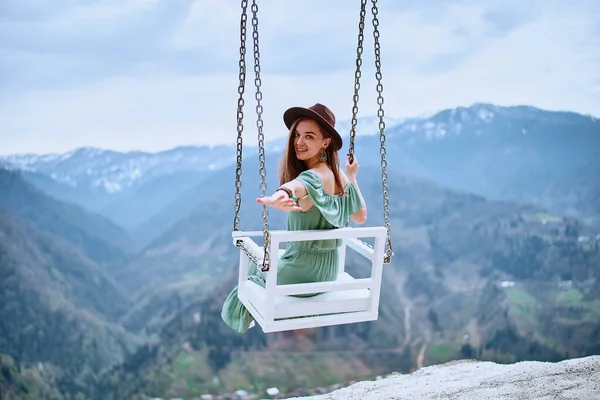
288	191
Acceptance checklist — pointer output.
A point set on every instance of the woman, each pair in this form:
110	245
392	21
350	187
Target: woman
317	195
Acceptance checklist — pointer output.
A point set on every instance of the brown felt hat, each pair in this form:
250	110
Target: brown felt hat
319	113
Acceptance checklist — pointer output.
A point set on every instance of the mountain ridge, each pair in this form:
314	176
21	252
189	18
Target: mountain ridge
24	160
53	164
99	238
461	147
500	277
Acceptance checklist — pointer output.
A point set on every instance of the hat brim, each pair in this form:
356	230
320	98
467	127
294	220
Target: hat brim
292	114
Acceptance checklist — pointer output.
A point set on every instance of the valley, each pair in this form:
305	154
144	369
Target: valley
112	280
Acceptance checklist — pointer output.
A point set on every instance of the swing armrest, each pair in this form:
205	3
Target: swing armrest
349	235
319	234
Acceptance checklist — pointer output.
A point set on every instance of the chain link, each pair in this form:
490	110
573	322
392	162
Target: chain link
240	116
357	75
261	138
248	252
259	123
386	213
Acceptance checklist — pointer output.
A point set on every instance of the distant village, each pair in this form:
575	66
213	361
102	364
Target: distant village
268	394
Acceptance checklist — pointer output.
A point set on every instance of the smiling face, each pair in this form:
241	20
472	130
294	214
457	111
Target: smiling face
308	140
305	143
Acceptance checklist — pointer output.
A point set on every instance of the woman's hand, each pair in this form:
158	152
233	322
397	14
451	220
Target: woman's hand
351	169
279	200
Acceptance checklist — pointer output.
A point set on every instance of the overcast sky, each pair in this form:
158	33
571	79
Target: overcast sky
155	74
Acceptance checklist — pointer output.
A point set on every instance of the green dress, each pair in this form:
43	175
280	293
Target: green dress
303	261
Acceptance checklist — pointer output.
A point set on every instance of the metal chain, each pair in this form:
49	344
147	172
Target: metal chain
259	122
248	252
261	138
357	75
386	213
240	116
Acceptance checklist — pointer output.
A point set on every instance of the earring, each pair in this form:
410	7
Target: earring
323	155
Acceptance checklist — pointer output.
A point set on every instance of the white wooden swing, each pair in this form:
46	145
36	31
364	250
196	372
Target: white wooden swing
347	300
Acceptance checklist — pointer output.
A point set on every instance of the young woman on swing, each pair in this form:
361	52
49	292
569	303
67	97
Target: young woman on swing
317	195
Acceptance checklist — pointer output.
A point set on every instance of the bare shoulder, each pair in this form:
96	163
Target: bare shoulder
322	173
328	180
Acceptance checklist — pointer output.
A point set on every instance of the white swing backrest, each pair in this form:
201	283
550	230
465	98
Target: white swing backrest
272	291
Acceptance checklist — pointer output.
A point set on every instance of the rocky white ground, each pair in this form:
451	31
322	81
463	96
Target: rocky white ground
570	379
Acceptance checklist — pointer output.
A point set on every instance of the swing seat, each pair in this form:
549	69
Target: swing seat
346	300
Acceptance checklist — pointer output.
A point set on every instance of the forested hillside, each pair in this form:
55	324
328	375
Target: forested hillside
494	216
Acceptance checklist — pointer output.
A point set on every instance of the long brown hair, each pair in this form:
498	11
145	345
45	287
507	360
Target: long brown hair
290	167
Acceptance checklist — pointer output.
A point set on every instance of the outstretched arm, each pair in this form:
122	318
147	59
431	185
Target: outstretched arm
281	199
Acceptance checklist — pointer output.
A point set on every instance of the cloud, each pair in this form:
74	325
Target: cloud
150	74
76	42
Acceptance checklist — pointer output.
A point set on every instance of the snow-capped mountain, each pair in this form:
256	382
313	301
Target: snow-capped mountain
107	171
478	118
517	153
111	171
